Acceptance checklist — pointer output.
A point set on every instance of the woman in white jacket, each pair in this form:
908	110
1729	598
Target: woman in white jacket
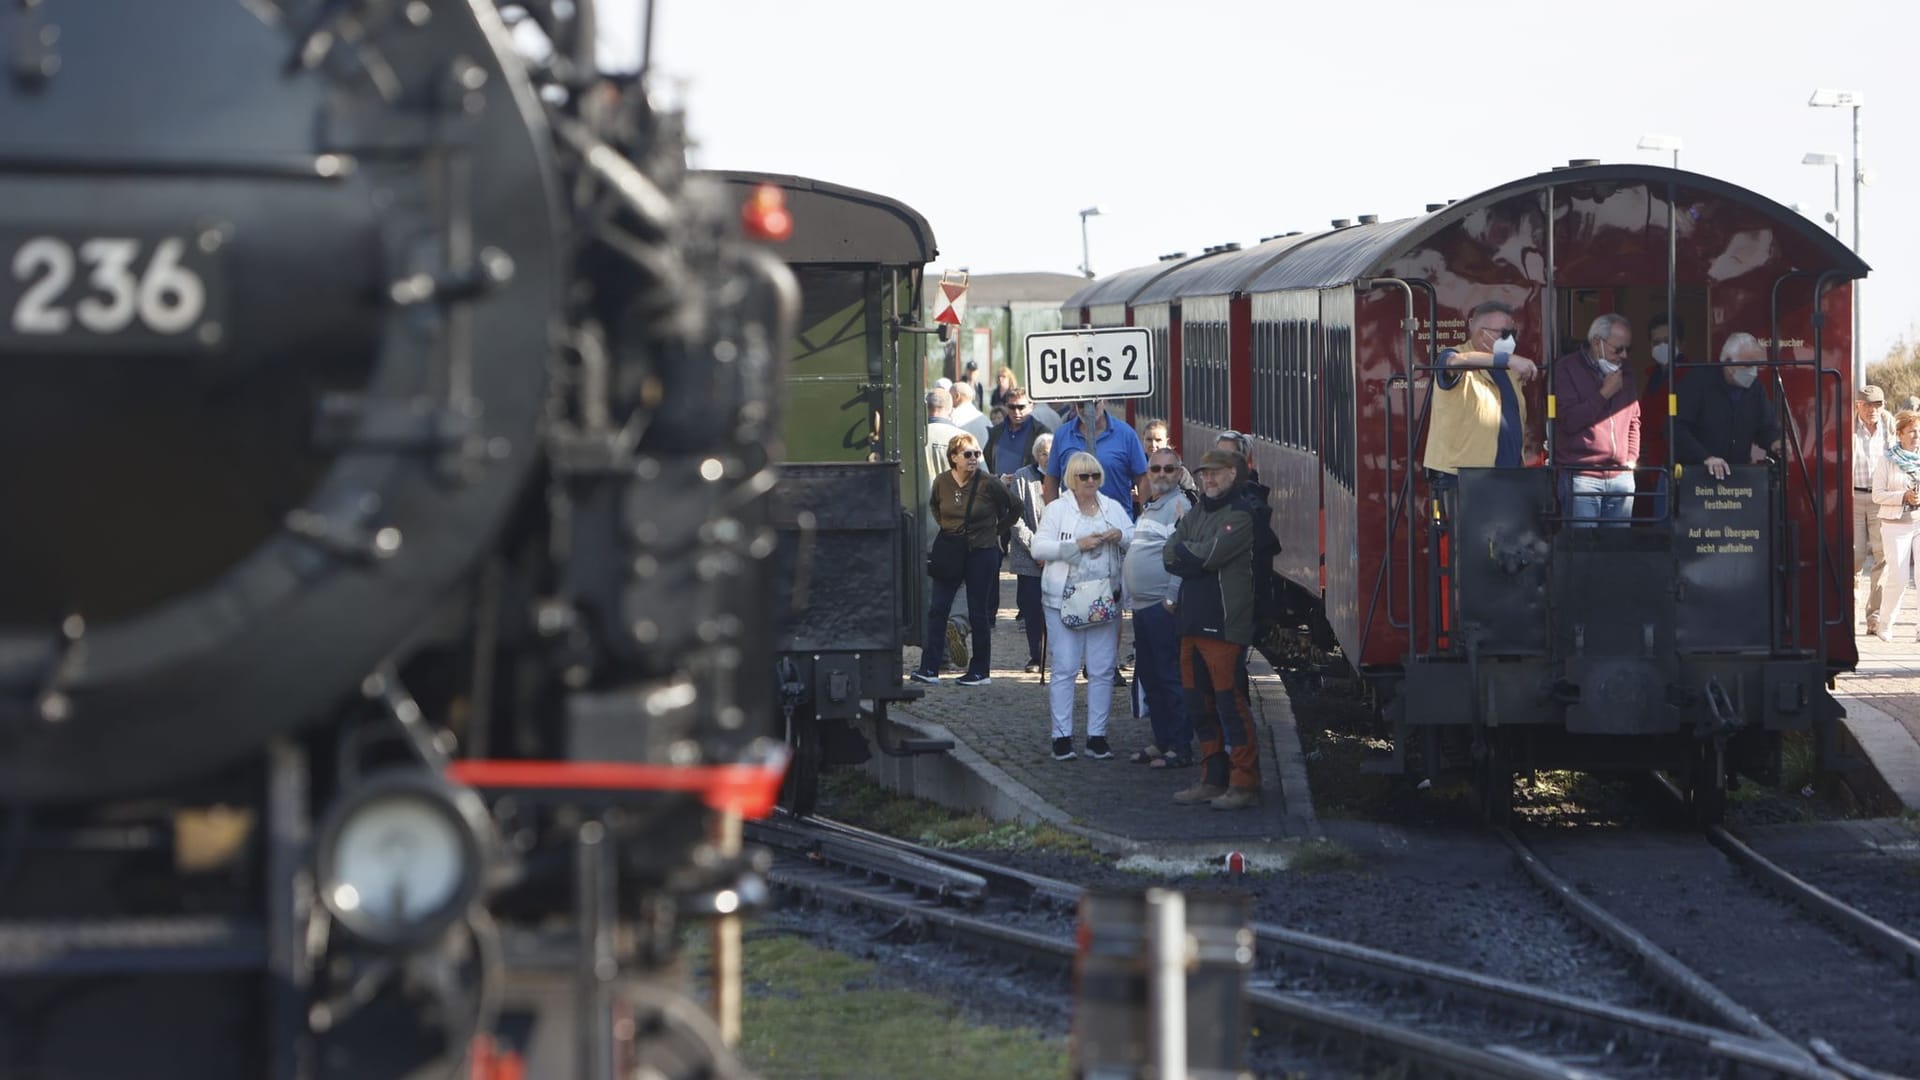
1895	480
1082	539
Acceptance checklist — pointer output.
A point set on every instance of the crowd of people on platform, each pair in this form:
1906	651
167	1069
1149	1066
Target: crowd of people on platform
1099	526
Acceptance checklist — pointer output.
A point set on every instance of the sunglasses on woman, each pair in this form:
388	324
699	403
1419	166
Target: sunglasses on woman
1086	476
969	454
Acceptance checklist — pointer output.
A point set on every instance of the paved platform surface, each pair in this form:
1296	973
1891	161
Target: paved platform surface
1882	699
1004	734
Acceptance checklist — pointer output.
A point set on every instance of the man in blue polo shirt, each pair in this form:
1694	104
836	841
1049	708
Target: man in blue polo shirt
1121	456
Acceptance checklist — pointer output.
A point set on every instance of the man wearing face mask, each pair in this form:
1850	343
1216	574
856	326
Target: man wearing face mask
1479	412
1660	380
1596	435
1728	419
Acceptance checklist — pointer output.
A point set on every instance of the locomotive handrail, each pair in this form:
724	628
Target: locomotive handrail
1404	504
1409	324
1824	556
1815	483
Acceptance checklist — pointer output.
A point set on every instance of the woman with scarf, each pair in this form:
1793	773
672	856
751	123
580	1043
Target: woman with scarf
1896	490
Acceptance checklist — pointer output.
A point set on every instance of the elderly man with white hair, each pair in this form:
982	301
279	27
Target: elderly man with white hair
1596	439
1728	420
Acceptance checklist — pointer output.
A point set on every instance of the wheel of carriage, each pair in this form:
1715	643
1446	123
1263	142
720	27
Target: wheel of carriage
1492	779
1707	782
800	791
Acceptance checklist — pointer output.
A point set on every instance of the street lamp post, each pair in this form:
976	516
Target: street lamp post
1853	99
1815	158
1663	142
1086	257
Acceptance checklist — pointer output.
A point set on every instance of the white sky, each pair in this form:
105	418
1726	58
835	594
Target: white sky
1209	121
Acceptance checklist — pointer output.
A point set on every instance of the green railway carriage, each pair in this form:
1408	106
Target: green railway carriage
854	478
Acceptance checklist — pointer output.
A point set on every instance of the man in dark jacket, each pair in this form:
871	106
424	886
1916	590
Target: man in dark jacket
1010	442
1727	420
1596	439
1212	553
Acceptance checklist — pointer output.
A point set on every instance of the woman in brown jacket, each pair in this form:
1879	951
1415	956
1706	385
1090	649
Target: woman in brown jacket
968	501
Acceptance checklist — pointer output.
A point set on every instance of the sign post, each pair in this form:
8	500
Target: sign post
1111	362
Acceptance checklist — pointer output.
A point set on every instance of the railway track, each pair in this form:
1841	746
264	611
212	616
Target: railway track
1373	1007
1742	942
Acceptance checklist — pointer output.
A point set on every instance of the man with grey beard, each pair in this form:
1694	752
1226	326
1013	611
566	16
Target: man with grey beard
1152	591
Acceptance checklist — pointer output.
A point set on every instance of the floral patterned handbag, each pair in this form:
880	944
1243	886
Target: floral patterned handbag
1088	603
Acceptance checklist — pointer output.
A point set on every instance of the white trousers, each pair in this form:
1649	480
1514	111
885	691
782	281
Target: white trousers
1099	648
1896	545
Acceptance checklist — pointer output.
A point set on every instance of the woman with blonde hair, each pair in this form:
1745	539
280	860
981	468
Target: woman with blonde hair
1082	538
971	507
1896	491
1003	381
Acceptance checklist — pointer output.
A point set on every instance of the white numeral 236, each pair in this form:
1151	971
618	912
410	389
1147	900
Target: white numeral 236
168	298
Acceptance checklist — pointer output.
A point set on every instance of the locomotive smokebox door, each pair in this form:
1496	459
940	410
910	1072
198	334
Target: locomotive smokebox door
1500	558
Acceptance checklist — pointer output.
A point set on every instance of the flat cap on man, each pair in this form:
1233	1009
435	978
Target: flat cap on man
1873	393
1218	459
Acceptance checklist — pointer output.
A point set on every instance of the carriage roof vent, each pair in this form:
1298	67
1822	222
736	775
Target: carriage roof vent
1232	246
1340	223
1432	206
1295	232
1369	219
1582	162
1172	255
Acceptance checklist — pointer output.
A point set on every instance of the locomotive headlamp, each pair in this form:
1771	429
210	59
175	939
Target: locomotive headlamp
401	856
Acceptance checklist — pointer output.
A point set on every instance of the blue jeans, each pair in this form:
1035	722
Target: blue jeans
1608	498
983	601
1156	677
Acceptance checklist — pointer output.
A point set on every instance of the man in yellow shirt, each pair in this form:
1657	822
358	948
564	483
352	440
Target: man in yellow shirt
1479	415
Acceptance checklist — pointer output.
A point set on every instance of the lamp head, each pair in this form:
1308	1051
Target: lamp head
1837	99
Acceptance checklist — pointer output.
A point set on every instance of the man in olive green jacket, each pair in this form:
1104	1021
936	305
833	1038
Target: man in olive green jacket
1212	553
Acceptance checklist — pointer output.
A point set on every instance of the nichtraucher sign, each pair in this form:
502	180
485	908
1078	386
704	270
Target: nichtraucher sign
1112	362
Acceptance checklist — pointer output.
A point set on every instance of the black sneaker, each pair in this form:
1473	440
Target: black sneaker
1063	750
920	676
973	680
1097	748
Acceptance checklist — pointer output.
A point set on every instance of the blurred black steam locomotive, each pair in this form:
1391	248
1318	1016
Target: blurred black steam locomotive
383	588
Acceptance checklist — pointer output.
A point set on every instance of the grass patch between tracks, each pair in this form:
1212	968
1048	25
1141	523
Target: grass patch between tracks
849	796
815	1013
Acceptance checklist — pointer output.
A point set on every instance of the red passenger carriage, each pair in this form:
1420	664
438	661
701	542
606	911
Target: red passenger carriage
1695	656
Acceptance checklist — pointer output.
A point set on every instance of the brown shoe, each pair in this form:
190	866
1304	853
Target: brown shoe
1873	625
1199	793
1239	798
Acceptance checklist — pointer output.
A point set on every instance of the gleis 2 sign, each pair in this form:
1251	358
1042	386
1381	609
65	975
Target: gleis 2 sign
1114	362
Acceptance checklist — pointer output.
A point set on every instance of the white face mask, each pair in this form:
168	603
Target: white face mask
1743	377
1663	354
1607	367
1503	345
